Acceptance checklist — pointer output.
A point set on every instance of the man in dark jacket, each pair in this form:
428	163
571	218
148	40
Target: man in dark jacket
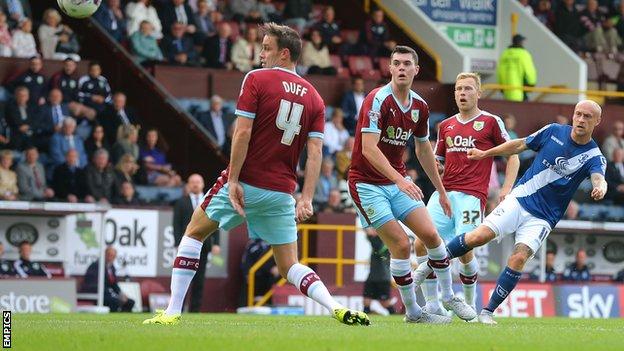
217	48
114	298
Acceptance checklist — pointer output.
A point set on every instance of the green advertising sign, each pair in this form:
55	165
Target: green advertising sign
471	37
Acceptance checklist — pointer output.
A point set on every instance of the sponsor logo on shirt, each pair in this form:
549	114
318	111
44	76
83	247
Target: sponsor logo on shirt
396	136
459	144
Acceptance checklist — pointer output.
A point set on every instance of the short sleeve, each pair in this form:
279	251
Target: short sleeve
317	130
422	126
598	165
247	104
370	114
440	147
536	140
499	132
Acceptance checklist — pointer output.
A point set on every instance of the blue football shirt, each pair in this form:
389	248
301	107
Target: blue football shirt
546	188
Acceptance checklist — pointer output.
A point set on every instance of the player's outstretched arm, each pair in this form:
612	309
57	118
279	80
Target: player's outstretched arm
600	186
304	208
511	173
375	157
240	145
425	156
511	147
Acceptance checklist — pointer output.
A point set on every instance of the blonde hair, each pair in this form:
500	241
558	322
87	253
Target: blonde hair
53	13
124	131
475	76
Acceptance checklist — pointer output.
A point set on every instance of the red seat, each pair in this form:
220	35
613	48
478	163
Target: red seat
337	62
352	34
384	66
235	30
363	66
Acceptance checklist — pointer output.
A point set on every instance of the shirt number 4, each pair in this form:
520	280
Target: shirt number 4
288	120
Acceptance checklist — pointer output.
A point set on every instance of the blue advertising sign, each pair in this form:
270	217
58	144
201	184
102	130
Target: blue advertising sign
593	301
480	12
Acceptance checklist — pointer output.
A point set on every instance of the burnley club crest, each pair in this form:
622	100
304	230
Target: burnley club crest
478	125
415	115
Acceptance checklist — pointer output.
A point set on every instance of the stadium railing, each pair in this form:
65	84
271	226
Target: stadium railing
493	88
305	229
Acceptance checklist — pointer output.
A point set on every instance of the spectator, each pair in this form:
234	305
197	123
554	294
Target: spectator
114	298
127	196
242	9
352	102
176	11
334	202
544	14
327	181
217	121
182	211
33	80
127	137
144	45
217	48
22	119
614	141
568	24
117	115
95	91
97	140
246	51
265	276
68	181
178	47
551	275
268	12
315	56
17	10
8	178
330	31
5	133
618	19
67	45
68	84
31	178
598	33
125	171
297	13
25	267
139	11
203	19
23	41
6	267
110	16
159	172
516	69
65	140
510	124
343	158
54	111
615	177
335	133
50	33
6	41
526	6
578	270
100	178
375	36
377	285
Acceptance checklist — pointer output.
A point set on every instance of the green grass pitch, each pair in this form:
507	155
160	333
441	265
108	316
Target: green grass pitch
124	332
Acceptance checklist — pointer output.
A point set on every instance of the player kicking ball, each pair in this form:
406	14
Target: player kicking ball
383	195
566	155
278	114
466	181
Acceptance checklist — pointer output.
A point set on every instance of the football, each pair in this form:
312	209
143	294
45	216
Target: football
79	8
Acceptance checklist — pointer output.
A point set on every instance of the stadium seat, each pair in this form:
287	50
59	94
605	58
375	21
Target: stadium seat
363	66
592	68
345	34
384	67
235	30
337	62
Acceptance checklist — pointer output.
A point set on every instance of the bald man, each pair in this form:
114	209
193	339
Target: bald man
182	212
566	155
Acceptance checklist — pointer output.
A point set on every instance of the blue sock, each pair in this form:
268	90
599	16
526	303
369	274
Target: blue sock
457	247
504	285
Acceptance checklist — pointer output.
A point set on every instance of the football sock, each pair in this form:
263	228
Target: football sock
309	283
457	247
468	275
402	273
184	268
440	263
504	285
430	287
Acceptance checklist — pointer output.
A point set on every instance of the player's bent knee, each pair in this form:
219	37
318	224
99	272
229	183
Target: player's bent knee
517	261
200	226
